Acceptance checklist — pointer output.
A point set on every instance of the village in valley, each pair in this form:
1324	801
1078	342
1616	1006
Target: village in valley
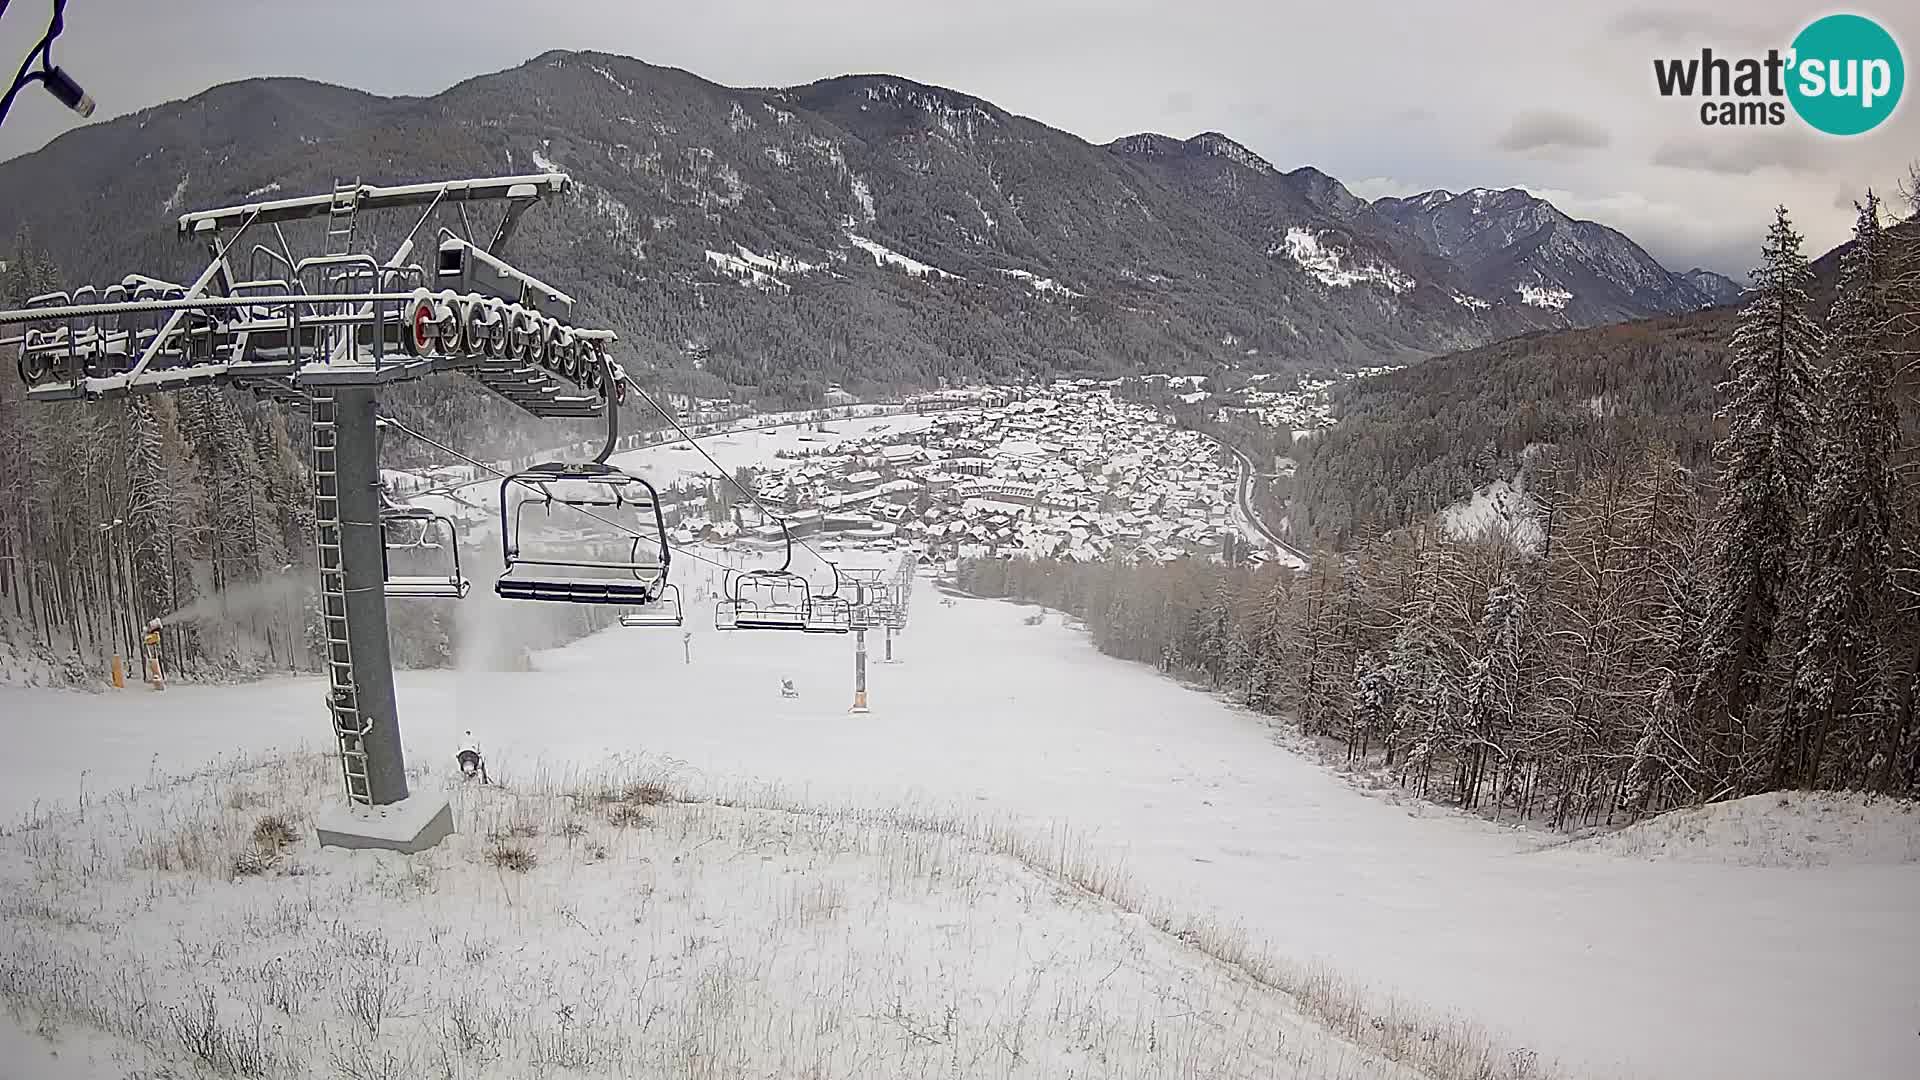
1075	471
1079	470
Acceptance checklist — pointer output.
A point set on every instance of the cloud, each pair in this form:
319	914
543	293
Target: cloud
1687	29
1717	153
1850	198
1552	131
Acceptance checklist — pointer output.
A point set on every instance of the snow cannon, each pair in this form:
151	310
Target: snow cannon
150	652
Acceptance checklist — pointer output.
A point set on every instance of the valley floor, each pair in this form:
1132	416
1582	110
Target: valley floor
1617	962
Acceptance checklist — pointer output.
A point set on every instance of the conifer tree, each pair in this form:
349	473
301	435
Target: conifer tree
1841	691
1764	463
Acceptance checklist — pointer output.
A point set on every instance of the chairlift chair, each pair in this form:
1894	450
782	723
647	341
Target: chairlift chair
866	597
618	553
828	615
589	568
764	600
859	616
412	529
662	612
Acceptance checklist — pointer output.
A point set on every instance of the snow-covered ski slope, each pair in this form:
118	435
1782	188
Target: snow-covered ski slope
585	928
1619	964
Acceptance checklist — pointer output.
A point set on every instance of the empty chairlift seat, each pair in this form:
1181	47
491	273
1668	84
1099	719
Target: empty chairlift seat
582	534
422	552
828	615
662	612
764	600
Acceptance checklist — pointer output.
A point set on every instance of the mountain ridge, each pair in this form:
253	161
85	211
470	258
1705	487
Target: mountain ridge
862	229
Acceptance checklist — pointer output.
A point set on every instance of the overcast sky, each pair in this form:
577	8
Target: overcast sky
1390	97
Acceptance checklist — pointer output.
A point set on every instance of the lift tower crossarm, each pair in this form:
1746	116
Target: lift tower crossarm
531	186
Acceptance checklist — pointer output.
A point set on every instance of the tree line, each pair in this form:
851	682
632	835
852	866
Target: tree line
1690	627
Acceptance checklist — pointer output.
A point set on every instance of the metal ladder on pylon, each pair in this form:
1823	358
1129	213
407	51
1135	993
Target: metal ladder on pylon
343	215
350	727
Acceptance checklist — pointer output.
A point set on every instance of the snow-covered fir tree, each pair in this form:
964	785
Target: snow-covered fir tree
1765	465
1835	734
1373	703
1493	687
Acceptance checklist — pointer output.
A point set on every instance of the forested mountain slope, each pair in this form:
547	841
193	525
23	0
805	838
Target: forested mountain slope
867	230
1412	442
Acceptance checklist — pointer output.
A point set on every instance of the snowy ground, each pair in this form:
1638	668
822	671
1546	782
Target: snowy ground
1501	508
24	662
586	926
1620	964
1782	828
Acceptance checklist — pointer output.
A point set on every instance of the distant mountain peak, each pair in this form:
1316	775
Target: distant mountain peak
1205	144
1425	200
1473	195
1147	144
1513	243
1716	287
898	90
1326	192
1218	145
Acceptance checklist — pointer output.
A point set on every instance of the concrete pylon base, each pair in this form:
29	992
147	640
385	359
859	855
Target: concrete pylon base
410	825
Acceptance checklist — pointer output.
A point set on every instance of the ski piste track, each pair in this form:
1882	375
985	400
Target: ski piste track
1620	967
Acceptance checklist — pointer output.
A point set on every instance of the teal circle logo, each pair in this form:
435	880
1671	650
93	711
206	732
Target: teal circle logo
1846	74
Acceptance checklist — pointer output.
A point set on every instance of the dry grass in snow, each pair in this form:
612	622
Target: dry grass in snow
613	925
1779	828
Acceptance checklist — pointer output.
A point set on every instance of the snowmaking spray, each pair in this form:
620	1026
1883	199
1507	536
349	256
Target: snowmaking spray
252	598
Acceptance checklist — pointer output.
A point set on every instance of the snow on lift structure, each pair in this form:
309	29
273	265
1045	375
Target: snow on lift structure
287	327
413	529
779	599
627	568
